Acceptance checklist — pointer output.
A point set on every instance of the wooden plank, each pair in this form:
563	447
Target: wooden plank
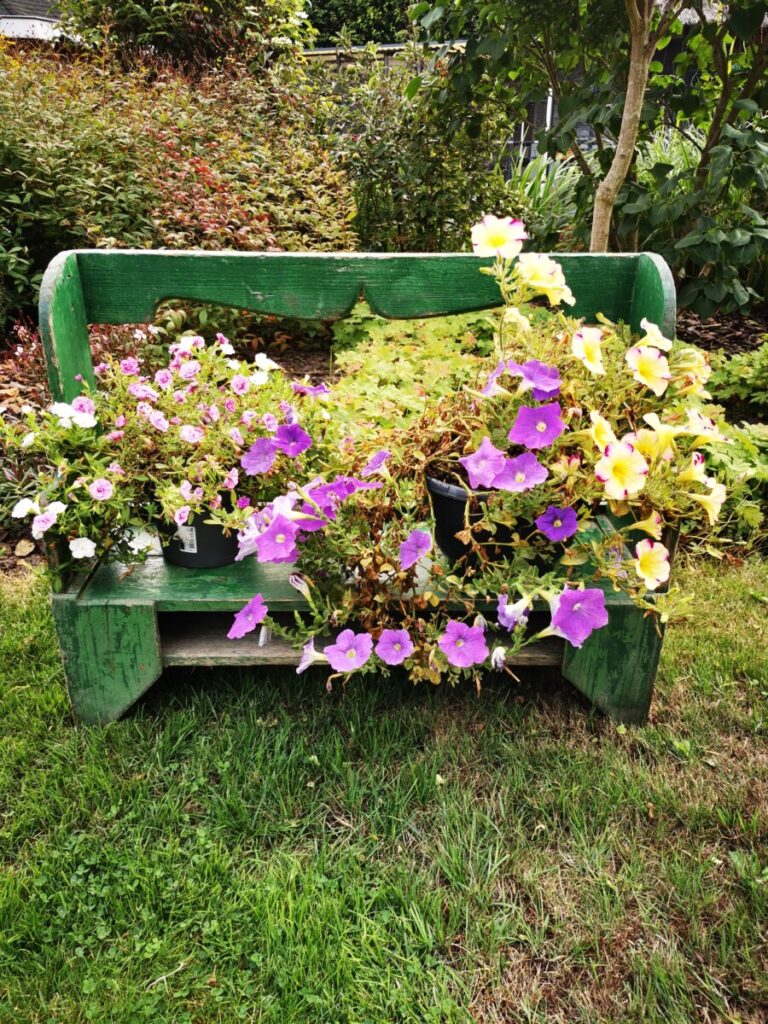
64	329
202	640
653	295
111	655
125	285
616	668
173	588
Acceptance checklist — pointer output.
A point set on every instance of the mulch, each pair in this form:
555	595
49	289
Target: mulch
22	382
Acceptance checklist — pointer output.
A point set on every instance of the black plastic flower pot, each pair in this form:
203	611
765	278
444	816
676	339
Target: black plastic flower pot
198	545
449	504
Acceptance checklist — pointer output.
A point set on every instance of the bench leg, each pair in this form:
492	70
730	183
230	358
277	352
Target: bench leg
111	655
616	668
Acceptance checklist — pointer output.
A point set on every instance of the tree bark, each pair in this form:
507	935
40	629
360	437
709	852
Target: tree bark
642	47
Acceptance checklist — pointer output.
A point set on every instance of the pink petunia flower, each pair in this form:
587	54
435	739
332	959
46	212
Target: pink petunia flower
351	651
101	489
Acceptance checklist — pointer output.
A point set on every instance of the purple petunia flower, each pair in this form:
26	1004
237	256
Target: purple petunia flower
130	367
181	515
143	391
329	496
309	656
289	412
243	502
164	379
558	523
278	542
309	390
491	388
101	489
576	613
350	651
545	380
416	544
394	646
260	457
484	464
521	474
463	645
189	369
375	463
292	439
193	435
537	427
511	615
84	404
158	421
248	618
240	384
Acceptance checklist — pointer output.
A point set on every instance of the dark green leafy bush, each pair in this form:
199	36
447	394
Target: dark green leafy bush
91	156
191	31
364	21
415	188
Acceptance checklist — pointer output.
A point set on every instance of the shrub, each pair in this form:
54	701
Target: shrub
363	21
415	188
192	31
91	155
742	380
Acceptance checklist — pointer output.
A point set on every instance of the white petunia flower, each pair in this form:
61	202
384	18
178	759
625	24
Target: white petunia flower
82	547
24	507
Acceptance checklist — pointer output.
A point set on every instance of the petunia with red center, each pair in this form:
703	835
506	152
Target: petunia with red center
278	542
350	651
260	457
394	646
537	427
415	546
484	464
292	439
558	523
309	390
577	613
248	618
522	473
463	645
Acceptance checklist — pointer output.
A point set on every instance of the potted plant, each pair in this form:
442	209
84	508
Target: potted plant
184	454
573	460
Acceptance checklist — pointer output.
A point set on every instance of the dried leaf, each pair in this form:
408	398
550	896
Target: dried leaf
23	548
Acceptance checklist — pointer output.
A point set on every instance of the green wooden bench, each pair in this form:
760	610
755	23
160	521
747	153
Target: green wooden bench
118	629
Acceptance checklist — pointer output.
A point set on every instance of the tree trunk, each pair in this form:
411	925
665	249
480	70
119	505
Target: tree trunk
640	55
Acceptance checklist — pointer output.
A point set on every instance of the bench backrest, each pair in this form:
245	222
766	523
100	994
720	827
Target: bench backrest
125	286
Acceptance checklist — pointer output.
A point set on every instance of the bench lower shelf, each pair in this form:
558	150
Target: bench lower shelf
119	627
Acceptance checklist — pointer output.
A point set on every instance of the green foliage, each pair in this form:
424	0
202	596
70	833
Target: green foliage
361	21
93	156
743	466
392	368
708	216
743	379
544	194
191	31
414	188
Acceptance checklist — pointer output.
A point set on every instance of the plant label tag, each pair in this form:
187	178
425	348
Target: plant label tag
188	539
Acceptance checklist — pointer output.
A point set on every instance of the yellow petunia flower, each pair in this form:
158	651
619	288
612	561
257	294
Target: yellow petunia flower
498	236
585	345
602	432
651	563
622	469
653	524
653	336
544	277
665	434
695	472
650	367
713	501
704	428
691	373
513	316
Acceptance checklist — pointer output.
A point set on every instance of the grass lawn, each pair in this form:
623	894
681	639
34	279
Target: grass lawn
251	848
